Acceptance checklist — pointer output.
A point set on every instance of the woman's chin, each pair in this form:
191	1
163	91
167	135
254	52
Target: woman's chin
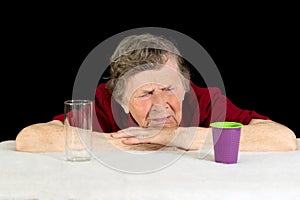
164	125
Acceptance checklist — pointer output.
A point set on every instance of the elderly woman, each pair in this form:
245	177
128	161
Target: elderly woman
150	99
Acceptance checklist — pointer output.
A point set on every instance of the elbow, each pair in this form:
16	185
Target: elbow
290	142
294	144
22	141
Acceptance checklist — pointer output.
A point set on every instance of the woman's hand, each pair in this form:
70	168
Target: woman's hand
138	135
189	138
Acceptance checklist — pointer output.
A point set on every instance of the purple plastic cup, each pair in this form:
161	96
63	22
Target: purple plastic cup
226	138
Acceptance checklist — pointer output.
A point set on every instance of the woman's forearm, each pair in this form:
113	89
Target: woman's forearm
41	137
267	135
259	135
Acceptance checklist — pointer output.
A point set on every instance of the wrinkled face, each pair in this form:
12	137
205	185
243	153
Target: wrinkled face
155	96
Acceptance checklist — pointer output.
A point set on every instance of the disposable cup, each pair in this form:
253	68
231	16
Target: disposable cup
226	138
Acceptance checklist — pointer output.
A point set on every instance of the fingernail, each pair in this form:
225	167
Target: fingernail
125	141
115	135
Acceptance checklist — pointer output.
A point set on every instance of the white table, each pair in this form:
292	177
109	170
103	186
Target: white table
260	175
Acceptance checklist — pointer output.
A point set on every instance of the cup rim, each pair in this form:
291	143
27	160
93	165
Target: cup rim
226	124
76	101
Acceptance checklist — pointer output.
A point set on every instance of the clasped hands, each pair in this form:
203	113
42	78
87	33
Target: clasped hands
181	137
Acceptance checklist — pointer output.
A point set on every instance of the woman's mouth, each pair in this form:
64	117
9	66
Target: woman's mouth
160	119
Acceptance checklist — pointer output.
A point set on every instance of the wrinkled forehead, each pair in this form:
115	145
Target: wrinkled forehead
165	76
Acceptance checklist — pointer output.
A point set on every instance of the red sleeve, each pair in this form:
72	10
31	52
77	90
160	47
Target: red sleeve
103	120
59	117
241	115
215	106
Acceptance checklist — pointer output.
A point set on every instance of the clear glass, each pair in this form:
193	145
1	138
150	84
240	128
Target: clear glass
78	129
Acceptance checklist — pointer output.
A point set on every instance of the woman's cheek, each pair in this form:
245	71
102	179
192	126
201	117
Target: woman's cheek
139	109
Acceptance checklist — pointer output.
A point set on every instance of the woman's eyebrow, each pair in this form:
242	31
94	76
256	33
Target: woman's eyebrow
166	87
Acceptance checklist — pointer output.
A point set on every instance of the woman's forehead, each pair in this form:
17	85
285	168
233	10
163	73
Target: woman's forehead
164	76
172	62
147	79
151	87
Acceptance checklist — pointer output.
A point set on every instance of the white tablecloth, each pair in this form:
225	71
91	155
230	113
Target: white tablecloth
260	175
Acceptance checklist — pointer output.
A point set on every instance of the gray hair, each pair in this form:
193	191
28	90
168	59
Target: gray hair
143	41
136	53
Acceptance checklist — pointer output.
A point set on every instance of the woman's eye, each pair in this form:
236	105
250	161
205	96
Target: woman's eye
145	95
169	89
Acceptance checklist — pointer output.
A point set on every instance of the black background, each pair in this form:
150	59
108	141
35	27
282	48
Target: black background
42	51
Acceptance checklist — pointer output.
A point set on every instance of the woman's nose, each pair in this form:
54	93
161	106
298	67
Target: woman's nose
158	98
159	101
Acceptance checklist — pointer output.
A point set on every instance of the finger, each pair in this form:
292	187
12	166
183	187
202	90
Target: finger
129	141
120	134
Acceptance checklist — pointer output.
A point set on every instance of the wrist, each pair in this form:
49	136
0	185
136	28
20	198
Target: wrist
184	137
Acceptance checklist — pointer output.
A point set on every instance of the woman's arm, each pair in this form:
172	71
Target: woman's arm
50	137
258	135
41	137
267	135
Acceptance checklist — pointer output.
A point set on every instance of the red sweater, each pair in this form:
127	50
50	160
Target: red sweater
201	106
